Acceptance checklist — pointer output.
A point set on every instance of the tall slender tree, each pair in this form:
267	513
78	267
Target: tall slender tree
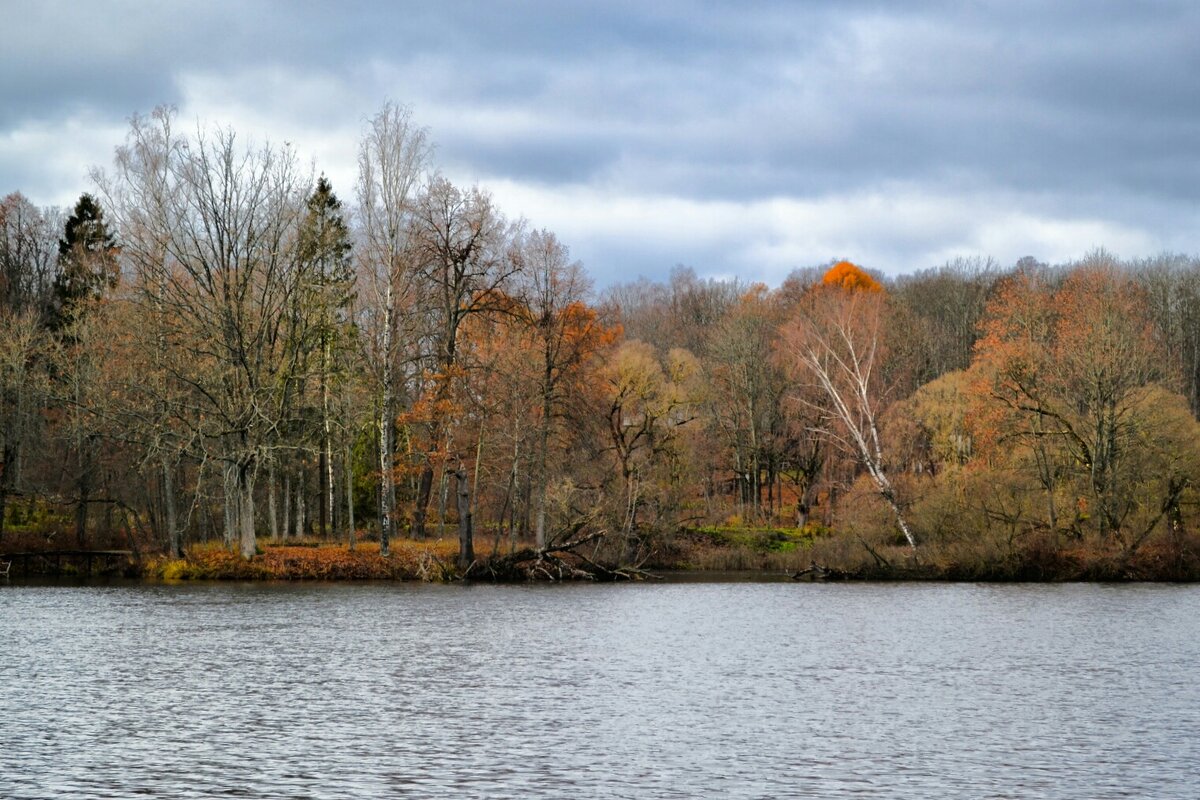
392	158
325	247
87	268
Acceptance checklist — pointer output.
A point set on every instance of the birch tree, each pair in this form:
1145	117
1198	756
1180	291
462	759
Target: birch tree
392	158
836	341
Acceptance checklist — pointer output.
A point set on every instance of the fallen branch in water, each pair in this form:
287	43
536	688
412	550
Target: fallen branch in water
554	563
816	572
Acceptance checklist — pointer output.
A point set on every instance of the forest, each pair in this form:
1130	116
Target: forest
213	360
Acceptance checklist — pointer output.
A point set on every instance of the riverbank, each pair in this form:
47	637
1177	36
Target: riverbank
776	553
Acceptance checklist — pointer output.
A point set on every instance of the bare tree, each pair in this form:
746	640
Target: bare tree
566	333
28	248
460	243
21	345
392	158
211	228
28	254
836	339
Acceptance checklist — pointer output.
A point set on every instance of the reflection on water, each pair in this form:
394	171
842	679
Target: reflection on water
678	690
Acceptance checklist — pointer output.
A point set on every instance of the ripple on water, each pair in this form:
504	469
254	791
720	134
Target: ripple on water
733	690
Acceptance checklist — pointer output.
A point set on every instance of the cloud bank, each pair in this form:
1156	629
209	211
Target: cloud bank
741	139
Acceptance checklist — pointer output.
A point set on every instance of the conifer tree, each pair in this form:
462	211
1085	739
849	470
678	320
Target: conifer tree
325	248
87	260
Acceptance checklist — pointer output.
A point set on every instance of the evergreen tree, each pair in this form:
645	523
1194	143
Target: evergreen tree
87	260
325	254
325	242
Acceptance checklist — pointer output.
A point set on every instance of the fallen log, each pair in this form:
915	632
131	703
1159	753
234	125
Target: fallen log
816	572
554	563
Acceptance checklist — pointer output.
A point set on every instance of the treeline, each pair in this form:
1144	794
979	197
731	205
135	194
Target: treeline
212	346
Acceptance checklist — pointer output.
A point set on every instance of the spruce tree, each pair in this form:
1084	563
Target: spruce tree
87	261
325	253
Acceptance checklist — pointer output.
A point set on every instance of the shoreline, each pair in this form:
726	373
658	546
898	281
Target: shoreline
737	556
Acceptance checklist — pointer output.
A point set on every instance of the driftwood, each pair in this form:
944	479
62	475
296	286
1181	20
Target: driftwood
554	563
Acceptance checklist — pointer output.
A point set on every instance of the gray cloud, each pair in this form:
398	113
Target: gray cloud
1079	115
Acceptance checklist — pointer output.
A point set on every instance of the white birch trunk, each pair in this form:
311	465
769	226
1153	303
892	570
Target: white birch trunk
387	487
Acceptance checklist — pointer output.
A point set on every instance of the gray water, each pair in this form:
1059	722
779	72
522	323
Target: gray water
691	690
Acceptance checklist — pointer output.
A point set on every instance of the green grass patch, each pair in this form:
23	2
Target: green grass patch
759	540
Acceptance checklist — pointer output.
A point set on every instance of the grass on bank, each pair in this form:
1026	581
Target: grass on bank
409	560
732	548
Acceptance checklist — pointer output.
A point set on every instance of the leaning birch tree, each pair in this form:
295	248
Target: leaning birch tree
836	341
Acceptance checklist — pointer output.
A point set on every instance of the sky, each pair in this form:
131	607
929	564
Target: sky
740	139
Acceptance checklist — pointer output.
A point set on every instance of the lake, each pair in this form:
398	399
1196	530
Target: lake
641	691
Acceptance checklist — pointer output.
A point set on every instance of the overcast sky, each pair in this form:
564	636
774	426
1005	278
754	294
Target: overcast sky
740	138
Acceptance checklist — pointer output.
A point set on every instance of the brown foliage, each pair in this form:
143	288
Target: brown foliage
409	560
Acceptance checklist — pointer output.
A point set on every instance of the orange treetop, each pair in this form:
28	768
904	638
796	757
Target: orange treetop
850	276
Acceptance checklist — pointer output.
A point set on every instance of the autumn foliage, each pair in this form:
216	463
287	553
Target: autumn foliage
409	560
846	275
418	366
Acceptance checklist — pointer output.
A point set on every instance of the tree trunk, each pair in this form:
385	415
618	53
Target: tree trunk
443	491
889	495
300	520
420	509
526	505
543	478
387	460
174	540
230	485
83	461
510	498
466	533
287	506
272	511
323	491
334	513
348	466
330	498
246	512
6	483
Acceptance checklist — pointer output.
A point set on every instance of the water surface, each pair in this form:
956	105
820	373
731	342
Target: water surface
677	690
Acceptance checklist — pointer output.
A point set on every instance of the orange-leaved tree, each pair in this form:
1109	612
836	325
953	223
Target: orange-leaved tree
566	333
850	276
